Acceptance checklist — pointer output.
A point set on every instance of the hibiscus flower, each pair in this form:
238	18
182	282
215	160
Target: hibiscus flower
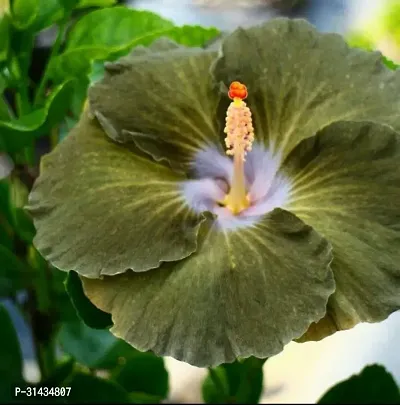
222	203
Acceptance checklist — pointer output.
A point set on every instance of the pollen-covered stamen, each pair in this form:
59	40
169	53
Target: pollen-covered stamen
239	139
239	129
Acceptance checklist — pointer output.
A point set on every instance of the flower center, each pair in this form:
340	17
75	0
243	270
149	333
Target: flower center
239	139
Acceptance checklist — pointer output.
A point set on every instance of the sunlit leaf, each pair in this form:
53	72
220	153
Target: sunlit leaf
192	35
95	3
389	63
24	12
101	33
5	39
108	33
50	11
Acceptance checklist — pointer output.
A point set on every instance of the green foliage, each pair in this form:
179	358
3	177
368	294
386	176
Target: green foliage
13	273
95	37
49	12
390	64
144	373
374	385
5	39
75	338
95	3
20	133
10	355
92	316
92	389
24	13
238	382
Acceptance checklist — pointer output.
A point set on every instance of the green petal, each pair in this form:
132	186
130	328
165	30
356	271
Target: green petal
346	184
161	98
99	208
300	81
240	294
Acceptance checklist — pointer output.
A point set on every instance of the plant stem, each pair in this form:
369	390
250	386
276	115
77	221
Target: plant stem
54	51
20	69
22	96
217	382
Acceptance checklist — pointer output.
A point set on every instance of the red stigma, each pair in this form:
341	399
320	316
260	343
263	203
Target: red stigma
237	90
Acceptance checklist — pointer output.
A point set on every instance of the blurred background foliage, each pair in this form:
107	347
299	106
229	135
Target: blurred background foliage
42	94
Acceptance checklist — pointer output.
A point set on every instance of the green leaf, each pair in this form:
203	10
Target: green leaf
251	381
23	225
192	35
42	281
69	4
144	373
340	181
374	385
66	127
14	274
389	63
100	34
65	310
97	72
238	382
20	220
92	316
118	355
87	388
75	337
50	12
102	181
95	37
79	97
6	238
95	3
5	110
18	133
14	195
215	388
24	13
11	358
5	206
5	40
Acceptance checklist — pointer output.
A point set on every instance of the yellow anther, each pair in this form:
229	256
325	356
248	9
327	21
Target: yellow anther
239	128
